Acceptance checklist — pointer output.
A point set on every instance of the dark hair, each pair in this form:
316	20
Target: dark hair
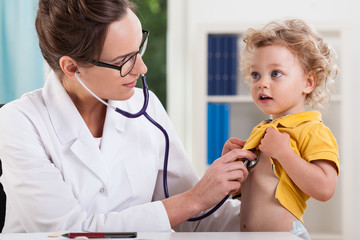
76	28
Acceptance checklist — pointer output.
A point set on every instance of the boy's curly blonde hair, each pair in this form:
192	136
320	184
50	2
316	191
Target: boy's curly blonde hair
305	43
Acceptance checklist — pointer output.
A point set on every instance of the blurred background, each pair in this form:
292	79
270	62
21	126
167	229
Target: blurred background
177	72
21	63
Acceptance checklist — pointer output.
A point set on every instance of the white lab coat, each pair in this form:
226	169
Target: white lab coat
56	177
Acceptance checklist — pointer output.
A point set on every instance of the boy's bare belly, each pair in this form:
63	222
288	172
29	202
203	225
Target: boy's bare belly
260	211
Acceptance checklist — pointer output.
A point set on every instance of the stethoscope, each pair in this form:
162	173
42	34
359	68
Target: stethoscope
248	163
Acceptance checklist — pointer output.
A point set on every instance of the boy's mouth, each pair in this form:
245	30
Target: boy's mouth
264	97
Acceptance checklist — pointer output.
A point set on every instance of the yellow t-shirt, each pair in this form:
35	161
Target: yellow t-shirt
310	139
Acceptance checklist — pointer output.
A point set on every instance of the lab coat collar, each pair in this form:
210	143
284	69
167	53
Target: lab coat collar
116	124
62	112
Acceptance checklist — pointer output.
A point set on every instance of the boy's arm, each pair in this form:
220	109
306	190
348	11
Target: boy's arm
316	178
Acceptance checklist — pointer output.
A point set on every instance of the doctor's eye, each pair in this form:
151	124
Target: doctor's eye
120	62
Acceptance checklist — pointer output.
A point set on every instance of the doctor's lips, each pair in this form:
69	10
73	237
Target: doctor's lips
131	84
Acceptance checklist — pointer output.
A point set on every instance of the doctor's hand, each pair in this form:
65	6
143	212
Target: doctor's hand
231	144
223	177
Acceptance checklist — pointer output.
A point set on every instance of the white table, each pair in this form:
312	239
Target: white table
171	236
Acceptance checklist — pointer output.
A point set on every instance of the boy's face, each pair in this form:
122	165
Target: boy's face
279	84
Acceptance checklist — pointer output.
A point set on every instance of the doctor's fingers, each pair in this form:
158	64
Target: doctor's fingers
215	185
232	171
236	154
239	174
231	144
236	141
234	181
235	167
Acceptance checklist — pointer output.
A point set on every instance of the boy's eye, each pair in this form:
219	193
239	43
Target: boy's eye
255	75
276	74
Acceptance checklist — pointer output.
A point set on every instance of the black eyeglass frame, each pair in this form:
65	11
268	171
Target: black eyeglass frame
141	51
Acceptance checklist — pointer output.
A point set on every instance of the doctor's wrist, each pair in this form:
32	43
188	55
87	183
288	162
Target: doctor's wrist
183	206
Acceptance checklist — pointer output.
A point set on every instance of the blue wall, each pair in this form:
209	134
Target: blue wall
21	62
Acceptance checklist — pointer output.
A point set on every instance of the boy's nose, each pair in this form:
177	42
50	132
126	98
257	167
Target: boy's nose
263	82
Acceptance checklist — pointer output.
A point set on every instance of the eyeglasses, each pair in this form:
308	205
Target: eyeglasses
129	63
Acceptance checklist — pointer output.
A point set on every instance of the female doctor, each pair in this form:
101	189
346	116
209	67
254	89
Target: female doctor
72	163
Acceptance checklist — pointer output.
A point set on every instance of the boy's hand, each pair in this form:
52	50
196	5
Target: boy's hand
231	144
274	143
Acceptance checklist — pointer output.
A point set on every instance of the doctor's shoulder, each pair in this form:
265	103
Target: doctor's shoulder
22	109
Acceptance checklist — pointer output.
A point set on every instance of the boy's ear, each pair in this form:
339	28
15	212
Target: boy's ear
310	82
68	66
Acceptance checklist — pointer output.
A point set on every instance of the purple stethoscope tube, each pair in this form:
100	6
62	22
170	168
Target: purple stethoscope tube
167	145
142	111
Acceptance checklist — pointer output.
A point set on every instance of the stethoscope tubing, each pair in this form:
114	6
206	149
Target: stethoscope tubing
165	167
143	112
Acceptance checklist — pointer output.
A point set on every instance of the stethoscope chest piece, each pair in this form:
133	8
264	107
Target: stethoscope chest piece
250	163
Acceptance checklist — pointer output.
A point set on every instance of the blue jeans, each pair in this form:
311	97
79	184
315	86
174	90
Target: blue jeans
300	230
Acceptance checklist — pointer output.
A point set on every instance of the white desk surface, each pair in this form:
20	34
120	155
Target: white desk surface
171	236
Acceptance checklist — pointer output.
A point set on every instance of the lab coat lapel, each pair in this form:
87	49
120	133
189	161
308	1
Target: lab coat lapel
117	127
120	139
114	126
71	129
89	153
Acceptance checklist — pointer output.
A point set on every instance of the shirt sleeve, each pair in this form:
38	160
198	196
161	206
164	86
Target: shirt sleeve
320	144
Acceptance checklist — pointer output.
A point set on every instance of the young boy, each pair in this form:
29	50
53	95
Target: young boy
287	66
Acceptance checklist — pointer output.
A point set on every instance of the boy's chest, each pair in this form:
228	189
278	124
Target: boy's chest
261	178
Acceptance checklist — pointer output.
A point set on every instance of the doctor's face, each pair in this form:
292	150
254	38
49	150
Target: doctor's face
122	42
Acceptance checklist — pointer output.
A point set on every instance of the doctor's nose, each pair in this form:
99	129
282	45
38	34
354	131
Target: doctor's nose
139	66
